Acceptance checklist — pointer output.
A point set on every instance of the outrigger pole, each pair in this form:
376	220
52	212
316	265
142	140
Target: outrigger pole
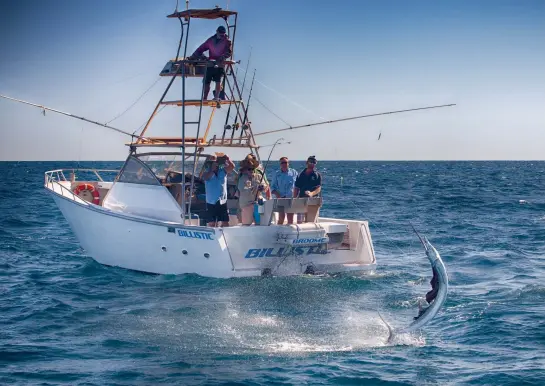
44	108
352	118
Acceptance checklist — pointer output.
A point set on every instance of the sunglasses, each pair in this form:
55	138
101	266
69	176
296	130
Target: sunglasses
283	163
312	162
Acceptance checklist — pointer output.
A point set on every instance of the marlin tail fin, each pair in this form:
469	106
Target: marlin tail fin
390	329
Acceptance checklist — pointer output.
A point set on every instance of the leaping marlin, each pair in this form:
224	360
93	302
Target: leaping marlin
435	297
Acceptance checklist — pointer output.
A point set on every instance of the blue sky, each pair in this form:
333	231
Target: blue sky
336	59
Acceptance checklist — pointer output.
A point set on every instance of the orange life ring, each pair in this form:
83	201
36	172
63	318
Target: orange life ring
91	189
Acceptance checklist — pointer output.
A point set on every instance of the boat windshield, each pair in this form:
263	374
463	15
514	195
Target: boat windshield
162	164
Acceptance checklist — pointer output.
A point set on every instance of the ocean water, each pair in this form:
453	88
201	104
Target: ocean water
65	319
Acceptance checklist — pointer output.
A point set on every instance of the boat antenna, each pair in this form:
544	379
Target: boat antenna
44	108
267	164
356	117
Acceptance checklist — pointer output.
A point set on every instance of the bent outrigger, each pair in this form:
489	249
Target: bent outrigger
147	216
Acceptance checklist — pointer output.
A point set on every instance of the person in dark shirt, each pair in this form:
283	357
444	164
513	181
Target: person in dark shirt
309	184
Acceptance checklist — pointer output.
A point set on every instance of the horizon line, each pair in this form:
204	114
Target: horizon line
325	160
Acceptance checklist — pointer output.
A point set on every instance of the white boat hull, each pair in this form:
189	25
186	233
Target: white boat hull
162	247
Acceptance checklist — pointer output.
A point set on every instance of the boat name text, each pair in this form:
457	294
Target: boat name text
282	251
195	234
318	240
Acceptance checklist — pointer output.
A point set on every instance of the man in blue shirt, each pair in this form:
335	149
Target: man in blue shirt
215	182
282	186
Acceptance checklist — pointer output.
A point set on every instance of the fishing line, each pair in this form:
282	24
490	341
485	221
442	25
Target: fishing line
146	121
130	77
285	97
270	111
135	102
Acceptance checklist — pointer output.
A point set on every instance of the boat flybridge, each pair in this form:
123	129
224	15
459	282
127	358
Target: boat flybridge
148	216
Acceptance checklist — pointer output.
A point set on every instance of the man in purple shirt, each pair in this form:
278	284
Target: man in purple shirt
219	48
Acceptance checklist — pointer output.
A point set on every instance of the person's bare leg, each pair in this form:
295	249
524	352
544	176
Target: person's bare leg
206	91
290	218
312	213
281	218
218	89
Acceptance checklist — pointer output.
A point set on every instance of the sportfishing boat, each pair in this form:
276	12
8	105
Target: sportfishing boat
148	216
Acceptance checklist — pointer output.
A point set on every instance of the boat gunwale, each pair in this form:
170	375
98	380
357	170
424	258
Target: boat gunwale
168	224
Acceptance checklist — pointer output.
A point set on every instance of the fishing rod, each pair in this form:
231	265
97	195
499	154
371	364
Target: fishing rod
245	123
352	118
249	99
266	165
241	94
230	104
44	108
274	144
241	91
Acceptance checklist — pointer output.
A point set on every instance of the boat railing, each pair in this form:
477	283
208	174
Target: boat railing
59	173
56	180
286	205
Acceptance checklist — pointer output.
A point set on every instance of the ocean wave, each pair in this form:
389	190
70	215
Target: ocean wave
67	319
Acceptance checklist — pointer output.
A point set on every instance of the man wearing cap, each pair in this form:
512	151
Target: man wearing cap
283	183
309	184
219	48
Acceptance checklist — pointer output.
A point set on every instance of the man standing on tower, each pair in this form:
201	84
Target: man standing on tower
219	48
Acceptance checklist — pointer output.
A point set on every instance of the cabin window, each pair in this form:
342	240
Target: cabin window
136	172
